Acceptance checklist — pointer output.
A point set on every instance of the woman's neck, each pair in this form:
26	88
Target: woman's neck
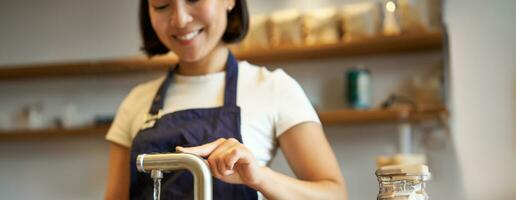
215	61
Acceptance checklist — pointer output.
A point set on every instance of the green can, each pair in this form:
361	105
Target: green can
358	88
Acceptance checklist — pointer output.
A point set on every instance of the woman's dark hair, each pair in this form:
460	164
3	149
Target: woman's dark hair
236	29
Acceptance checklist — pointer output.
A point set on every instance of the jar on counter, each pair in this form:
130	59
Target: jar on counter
403	182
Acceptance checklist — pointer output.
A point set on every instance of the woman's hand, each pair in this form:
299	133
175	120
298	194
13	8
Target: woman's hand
230	161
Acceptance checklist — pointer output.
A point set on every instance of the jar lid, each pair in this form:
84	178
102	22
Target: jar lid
403	170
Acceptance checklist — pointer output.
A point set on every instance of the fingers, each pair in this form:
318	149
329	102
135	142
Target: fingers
202	150
218	156
232	158
223	155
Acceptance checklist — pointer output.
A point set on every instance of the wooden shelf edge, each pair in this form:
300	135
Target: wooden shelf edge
381	44
348	116
336	117
403	114
115	66
53	133
369	46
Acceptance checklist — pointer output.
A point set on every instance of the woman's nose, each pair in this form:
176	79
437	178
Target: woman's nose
180	16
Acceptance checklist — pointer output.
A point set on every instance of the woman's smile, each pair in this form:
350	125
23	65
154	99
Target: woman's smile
187	37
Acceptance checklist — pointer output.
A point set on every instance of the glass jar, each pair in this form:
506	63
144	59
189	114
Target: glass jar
403	182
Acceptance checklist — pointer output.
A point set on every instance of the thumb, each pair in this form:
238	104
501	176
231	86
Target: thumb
201	150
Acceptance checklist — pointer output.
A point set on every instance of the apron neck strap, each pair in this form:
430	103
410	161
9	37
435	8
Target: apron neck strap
159	98
230	89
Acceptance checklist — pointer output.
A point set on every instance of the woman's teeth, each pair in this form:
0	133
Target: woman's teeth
188	36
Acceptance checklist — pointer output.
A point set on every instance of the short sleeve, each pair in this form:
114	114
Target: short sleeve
292	106
120	130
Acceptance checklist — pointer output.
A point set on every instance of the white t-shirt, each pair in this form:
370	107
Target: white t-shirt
270	104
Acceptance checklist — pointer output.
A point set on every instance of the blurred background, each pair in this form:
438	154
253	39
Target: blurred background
404	81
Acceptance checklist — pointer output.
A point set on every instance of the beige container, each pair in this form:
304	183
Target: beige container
259	33
287	28
321	26
359	21
426	90
414	15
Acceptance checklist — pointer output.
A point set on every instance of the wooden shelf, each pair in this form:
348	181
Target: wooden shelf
337	117
98	68
52	133
377	45
362	116
346	116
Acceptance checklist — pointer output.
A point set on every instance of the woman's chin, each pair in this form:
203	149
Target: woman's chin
189	56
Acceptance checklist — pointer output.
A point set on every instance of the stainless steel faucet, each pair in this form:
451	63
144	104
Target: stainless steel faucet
157	164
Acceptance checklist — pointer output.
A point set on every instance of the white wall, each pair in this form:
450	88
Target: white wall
74	168
483	73
52	30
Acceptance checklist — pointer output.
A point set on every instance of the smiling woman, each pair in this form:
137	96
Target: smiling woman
236	28
232	113
191	29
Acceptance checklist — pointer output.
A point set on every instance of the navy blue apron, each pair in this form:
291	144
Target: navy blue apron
192	127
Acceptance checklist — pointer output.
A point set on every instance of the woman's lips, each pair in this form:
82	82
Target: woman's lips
188	38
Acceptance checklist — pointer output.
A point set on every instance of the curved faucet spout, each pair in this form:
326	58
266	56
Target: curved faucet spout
180	161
